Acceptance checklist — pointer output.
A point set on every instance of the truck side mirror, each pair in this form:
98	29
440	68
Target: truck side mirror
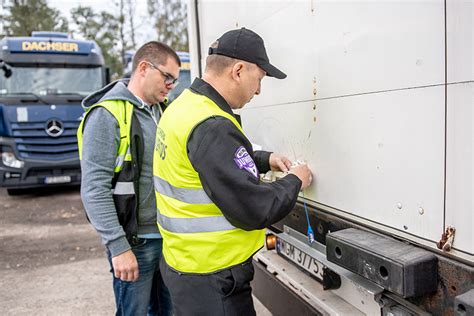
7	71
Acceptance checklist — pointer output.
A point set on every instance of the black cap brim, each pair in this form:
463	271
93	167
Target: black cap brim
273	71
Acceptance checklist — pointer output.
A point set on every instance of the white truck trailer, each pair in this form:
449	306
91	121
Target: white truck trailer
379	101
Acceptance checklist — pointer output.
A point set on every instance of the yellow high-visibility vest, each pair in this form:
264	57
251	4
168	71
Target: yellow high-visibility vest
122	112
197	238
124	184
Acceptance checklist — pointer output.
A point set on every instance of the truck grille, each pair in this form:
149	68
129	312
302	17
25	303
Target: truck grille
34	143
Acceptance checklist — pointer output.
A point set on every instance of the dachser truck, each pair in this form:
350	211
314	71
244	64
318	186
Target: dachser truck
43	79
379	102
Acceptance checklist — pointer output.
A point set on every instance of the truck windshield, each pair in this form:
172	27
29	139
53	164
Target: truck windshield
51	81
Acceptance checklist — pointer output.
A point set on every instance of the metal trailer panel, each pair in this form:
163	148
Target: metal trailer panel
460	40
370	78
337	48
377	156
460	117
460	172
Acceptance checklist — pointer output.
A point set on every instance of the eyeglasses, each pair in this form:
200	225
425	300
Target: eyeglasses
169	79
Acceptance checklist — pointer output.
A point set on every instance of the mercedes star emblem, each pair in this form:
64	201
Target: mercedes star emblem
54	127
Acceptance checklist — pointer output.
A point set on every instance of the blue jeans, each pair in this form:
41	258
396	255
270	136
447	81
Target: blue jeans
148	295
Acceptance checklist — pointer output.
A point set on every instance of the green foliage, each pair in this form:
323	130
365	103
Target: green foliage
170	22
102	28
24	16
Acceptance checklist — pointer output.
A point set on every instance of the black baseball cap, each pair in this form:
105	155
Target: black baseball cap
247	45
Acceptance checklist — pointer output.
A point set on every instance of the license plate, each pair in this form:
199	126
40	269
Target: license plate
58	179
301	258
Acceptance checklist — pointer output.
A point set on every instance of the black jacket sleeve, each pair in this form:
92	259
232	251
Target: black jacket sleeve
246	202
262	160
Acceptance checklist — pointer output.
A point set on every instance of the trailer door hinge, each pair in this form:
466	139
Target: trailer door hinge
447	239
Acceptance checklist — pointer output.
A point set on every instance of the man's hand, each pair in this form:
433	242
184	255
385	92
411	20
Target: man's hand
304	174
125	266
279	163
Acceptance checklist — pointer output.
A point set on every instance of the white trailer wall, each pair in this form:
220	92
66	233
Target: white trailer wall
460	117
365	104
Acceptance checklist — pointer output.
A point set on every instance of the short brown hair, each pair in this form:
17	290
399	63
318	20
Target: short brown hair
154	52
217	63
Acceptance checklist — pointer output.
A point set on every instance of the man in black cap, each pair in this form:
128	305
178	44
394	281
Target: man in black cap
212	207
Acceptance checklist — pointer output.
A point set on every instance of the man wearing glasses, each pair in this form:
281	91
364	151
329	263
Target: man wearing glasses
169	79
116	142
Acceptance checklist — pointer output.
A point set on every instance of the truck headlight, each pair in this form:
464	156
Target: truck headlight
9	160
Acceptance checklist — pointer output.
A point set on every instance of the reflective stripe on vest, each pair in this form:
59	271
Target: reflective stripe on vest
189	225
190	196
121	158
123	188
194	225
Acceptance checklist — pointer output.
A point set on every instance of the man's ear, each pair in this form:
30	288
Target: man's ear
141	68
237	70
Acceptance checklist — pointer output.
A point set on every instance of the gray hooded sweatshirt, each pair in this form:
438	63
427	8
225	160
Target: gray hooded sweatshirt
101	139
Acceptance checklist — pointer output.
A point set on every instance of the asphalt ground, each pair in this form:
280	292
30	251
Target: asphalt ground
51	259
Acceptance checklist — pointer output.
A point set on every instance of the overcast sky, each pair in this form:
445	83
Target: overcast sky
144	29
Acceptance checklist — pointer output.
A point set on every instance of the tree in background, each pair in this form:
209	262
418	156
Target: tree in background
101	27
126	27
131	21
114	31
170	22
22	17
121	20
